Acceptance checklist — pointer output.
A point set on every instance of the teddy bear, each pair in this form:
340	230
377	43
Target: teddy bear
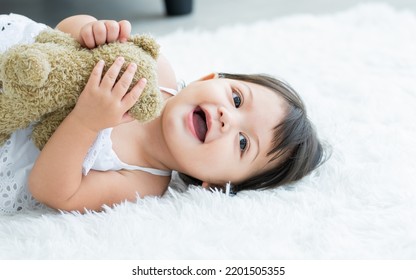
41	82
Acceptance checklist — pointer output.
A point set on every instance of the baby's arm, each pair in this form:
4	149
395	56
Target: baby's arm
90	32
56	177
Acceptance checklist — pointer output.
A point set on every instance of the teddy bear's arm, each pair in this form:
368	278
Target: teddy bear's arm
44	129
14	115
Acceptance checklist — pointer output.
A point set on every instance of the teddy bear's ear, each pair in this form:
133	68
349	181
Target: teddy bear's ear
147	43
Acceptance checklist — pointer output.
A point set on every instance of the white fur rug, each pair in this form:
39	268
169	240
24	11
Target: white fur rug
356	70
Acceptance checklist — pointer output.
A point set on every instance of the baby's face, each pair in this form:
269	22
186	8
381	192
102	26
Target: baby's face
221	130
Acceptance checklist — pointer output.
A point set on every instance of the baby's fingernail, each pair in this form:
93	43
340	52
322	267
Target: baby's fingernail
143	82
133	65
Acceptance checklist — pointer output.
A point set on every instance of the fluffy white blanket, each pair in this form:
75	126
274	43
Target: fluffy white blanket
356	71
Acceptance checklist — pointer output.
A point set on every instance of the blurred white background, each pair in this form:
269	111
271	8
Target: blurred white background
150	15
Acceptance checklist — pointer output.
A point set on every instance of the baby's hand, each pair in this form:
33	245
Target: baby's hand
97	33
104	102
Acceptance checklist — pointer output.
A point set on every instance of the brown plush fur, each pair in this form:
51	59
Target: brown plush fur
42	81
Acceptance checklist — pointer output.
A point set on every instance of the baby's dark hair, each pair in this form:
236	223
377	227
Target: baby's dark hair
295	142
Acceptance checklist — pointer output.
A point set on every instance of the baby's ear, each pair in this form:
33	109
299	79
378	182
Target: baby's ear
208	77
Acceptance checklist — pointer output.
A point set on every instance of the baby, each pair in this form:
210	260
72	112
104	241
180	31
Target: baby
250	130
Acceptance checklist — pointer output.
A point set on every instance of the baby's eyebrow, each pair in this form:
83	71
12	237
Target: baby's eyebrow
257	140
249	92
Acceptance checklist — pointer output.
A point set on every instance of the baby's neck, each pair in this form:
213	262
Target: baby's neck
152	144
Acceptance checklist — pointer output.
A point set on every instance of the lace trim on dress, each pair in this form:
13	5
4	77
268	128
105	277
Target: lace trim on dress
94	150
14	194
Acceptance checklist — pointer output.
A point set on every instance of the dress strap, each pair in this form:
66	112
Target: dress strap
169	90
153	171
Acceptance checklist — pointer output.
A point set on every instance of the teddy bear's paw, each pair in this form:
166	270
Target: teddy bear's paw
39	142
47	125
29	67
3	138
147	108
40	135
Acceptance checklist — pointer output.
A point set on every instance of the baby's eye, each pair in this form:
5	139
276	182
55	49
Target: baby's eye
237	99
243	142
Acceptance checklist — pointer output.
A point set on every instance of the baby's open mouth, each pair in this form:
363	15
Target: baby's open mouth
200	123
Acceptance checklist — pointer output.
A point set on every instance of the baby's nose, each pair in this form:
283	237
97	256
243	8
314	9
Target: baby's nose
225	119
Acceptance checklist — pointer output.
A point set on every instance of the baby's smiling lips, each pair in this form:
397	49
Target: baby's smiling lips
200	123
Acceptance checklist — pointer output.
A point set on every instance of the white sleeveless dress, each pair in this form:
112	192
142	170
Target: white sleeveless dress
18	154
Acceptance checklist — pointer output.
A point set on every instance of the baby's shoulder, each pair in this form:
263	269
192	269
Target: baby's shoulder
166	74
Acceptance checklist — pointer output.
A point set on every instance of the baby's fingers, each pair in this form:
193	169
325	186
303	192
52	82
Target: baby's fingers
110	77
125	80
133	95
125	30
99	31
95	77
87	36
113	30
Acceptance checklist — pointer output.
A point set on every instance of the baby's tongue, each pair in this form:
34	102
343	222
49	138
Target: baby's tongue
200	127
